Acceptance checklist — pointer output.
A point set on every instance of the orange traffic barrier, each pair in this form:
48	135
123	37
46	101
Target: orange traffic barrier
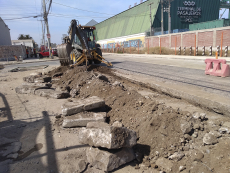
217	67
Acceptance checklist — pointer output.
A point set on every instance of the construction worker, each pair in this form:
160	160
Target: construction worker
35	53
27	52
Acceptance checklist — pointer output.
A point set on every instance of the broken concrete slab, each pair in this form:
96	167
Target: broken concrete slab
37	78
108	160
97	125
108	137
81	119
51	93
49	85
80	105
29	89
164	164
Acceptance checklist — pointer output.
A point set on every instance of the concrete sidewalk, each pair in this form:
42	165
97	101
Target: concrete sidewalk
181	57
29	60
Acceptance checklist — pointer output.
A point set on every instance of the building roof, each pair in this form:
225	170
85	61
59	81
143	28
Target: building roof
91	23
132	21
4	23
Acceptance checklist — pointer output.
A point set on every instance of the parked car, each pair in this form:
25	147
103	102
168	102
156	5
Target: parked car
45	53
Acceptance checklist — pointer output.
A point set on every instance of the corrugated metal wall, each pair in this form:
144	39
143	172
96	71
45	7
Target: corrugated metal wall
210	11
133	21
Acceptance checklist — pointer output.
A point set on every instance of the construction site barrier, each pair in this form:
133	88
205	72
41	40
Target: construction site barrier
217	67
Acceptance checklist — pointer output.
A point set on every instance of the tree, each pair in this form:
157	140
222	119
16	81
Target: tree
24	37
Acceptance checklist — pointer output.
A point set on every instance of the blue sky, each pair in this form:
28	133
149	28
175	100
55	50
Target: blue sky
60	16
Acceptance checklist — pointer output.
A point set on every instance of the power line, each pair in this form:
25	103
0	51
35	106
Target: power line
82	9
23	17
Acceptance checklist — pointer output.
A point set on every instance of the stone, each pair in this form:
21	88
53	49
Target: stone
196	115
181	168
186	127
215	133
108	137
81	119
51	93
36	74
224	130
28	89
195	134
10	148
80	105
97	124
202	116
209	139
116	83
81	165
117	124
45	85
197	155
109	160
226	124
164	164
177	156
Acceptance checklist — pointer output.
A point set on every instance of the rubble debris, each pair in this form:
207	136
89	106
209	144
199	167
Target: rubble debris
51	93
81	119
108	160
177	156
80	105
117	124
97	124
49	85
37	78
164	164
224	130
181	168
186	127
29	89
210	139
108	137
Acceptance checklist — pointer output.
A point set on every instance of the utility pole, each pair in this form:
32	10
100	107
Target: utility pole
169	17
162	18
150	18
45	16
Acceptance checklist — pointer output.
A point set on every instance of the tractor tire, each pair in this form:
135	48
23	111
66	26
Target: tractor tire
99	53
75	54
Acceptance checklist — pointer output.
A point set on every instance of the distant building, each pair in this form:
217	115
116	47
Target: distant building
5	38
91	23
26	42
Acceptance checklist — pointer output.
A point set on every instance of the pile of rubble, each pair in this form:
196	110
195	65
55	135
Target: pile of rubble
115	142
168	139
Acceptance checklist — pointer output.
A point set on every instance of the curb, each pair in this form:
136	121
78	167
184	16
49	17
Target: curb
181	57
204	103
14	62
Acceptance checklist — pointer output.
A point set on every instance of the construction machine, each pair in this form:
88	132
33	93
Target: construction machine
80	47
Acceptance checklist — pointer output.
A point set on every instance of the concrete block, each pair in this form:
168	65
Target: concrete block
97	124
37	79
108	137
28	89
81	119
80	105
109	160
51	93
46	85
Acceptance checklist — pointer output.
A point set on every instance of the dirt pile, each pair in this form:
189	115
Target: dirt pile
189	141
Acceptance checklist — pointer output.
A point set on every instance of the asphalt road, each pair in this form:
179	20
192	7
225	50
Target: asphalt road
173	71
186	72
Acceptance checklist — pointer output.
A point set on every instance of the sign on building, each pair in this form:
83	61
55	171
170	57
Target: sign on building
190	13
48	35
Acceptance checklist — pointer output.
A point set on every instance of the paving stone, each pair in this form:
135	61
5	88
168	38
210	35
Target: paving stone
164	164
51	93
81	119
109	160
80	105
29	89
108	137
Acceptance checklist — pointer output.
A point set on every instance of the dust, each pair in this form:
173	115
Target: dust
158	126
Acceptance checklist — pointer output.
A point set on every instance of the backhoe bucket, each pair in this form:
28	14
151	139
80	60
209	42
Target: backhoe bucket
64	52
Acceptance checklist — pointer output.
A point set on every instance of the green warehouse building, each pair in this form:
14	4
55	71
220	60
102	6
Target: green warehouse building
134	24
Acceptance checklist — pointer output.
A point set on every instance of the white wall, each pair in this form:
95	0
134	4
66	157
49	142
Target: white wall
5	38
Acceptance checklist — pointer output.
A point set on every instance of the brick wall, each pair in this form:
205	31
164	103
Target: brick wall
205	39
8	52
208	37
